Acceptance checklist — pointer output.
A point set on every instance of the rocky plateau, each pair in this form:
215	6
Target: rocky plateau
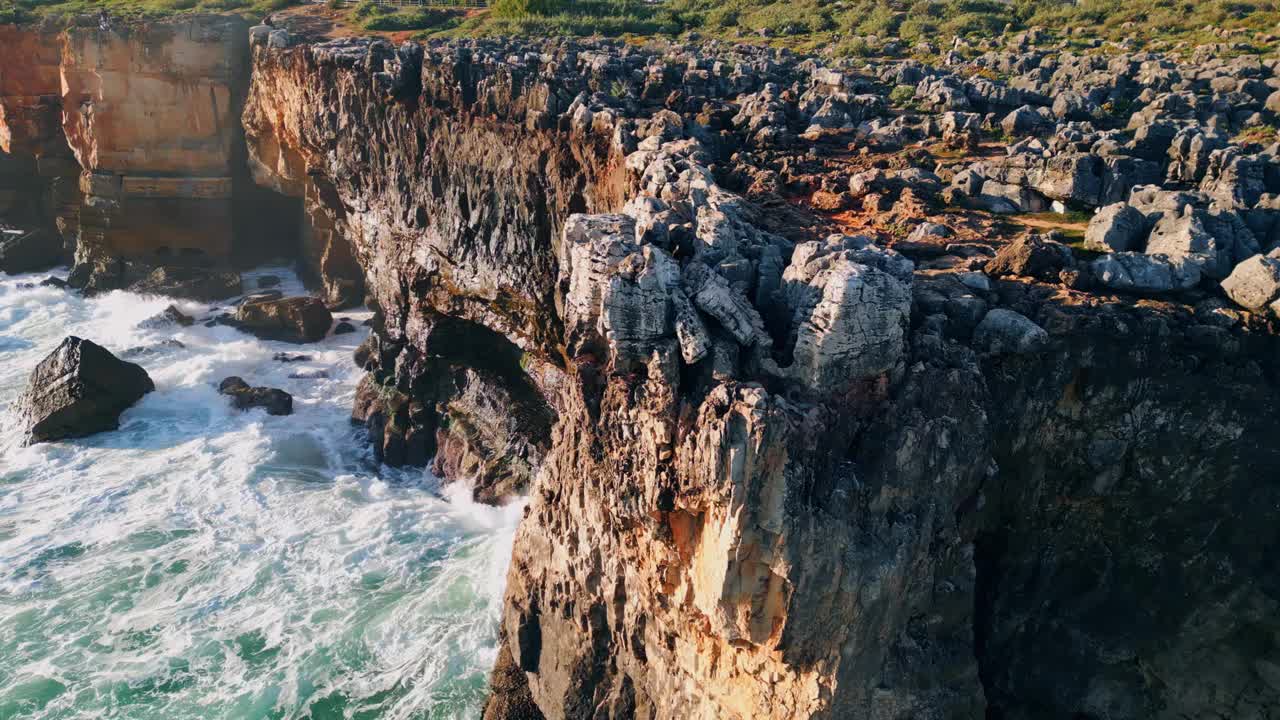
828	403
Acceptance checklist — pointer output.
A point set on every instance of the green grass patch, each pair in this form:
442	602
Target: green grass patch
17	11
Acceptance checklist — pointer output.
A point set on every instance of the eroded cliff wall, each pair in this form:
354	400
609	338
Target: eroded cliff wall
772	472
442	179
151	113
770	477
39	177
133	129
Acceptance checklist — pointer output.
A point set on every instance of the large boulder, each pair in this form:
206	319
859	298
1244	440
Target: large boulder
1144	274
294	319
1184	238
79	389
28	252
1255	283
1115	228
850	303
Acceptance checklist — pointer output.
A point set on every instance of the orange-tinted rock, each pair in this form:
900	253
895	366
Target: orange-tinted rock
161	99
30	91
151	112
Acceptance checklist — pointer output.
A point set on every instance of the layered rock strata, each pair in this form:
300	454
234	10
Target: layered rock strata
133	130
150	112
39	177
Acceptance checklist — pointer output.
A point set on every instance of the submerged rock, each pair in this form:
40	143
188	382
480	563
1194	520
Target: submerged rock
171	315
295	319
243	396
189	282
79	389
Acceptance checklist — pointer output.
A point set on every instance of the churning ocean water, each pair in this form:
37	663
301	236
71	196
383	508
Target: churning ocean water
202	562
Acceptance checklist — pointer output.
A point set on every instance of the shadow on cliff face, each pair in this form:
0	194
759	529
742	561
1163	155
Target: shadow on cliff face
1126	566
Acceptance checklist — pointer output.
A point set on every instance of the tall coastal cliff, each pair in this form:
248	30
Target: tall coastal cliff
776	468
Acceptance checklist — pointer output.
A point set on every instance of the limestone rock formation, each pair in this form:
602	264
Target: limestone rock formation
779	473
79	389
150	113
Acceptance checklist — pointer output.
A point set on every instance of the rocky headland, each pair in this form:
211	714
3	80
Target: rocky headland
831	399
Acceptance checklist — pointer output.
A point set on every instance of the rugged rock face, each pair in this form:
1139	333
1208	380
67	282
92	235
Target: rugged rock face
132	130
150	113
78	390
1130	459
459	249
39	178
793	474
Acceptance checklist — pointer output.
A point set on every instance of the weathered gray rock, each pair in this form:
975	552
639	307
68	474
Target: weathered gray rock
1144	273
1021	121
1116	228
1073	177
1255	283
850	302
592	246
1183	238
1007	332
79	389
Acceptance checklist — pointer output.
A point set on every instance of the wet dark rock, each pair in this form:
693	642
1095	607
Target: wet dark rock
290	358
160	348
243	396
343	328
77	390
295	319
28	251
54	282
189	282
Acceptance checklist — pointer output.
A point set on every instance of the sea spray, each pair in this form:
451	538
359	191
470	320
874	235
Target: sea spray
203	562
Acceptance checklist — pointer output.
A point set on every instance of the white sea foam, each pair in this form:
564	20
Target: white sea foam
202	562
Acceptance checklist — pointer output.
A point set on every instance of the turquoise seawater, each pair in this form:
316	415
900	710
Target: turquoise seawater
201	562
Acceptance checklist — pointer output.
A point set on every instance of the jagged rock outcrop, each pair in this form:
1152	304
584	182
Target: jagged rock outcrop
79	389
777	476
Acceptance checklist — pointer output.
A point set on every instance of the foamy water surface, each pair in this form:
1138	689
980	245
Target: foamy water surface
202	562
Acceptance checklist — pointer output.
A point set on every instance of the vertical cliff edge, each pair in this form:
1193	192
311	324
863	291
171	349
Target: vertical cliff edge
776	468
774	472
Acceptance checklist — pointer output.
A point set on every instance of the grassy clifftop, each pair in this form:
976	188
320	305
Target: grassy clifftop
12	11
846	27
855	27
